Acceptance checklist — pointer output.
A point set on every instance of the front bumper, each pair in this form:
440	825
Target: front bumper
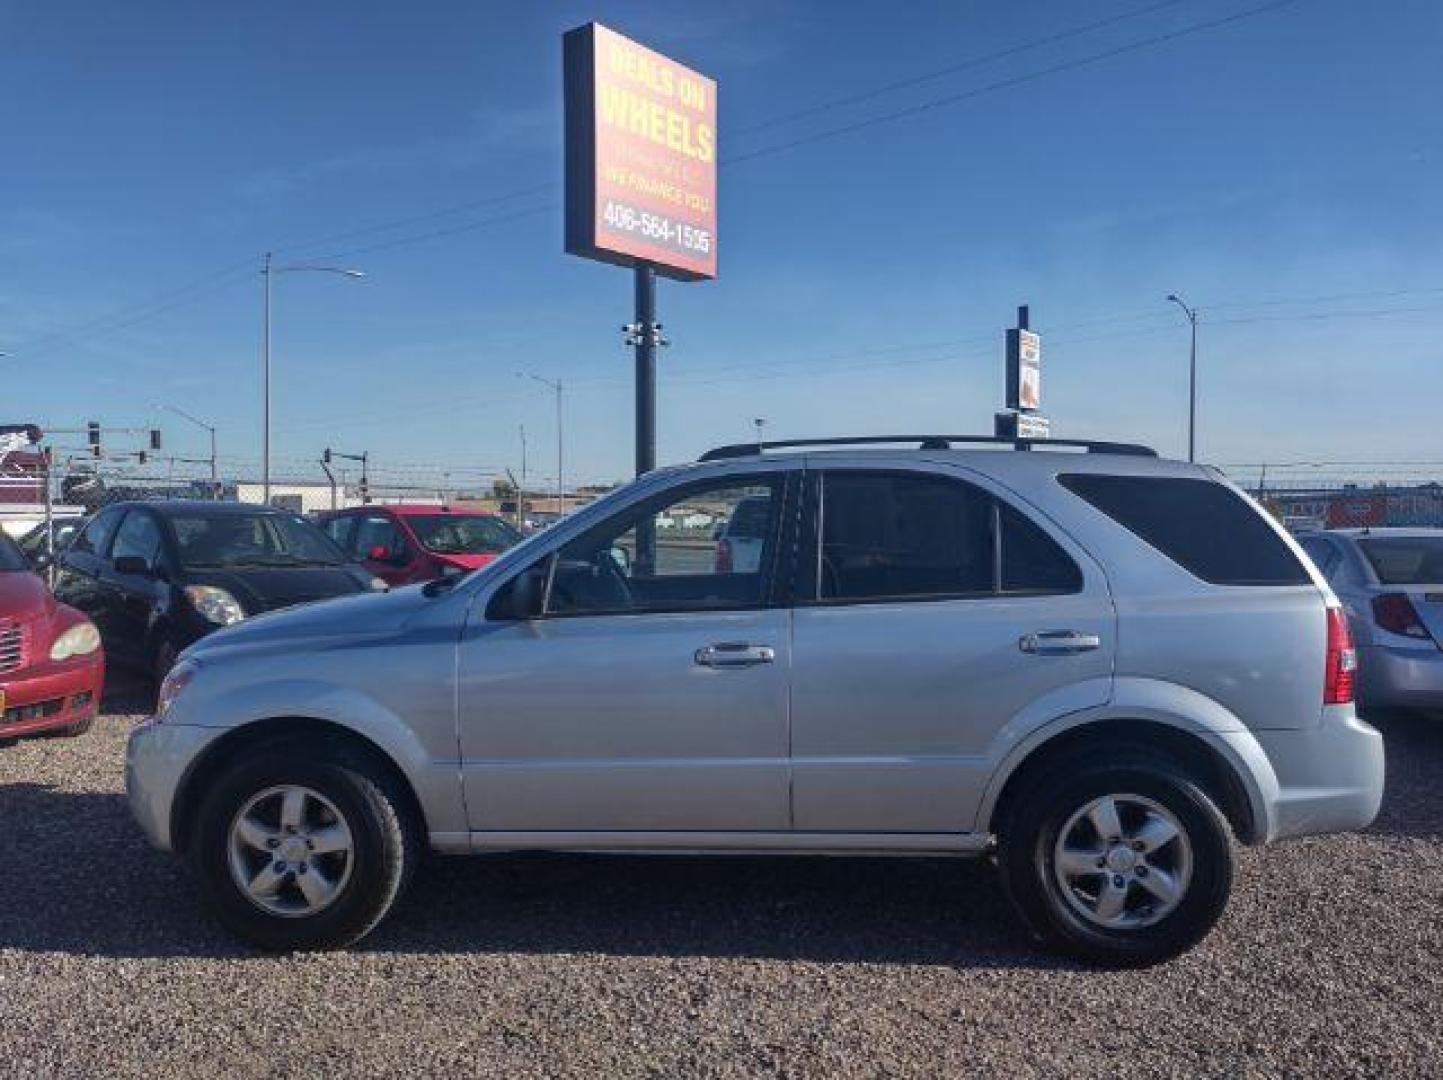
52	695
1404	678
157	758
1329	777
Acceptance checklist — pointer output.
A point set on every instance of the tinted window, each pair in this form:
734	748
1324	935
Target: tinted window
95	536
10	557
1406	560
232	539
903	535
1323	554
1031	560
667	556
1205	527
339	529
378	532
138	538
462	534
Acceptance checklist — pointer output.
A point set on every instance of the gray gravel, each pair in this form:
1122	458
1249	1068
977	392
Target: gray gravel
1329	962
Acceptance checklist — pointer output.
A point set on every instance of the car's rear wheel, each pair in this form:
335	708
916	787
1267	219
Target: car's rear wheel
1121	860
305	844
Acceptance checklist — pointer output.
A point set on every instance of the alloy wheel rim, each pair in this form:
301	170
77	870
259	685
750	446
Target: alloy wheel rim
1123	862
290	851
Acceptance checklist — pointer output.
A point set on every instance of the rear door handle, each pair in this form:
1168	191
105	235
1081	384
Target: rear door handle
729	654
1058	642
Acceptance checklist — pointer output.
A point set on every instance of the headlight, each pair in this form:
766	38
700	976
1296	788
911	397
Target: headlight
378	584
214	604
80	640
176	680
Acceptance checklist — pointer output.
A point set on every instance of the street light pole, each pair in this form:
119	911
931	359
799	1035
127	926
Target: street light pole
760	423
214	476
554	384
268	271
521	494
1191	314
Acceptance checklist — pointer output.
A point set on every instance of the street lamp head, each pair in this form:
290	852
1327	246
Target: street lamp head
1173	298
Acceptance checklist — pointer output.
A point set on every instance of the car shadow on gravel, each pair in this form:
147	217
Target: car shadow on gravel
1413	797
918	911
79	878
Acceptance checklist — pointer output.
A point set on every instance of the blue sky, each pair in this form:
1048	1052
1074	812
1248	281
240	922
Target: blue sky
1283	172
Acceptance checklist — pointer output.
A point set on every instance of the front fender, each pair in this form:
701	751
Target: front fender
1151	701
434	777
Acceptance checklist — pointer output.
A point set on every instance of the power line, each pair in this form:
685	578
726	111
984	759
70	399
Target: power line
952	69
1016	80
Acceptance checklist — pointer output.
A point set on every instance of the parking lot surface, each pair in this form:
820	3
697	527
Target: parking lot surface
1329	961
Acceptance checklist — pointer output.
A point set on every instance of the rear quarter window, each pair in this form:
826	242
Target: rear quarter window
1205	527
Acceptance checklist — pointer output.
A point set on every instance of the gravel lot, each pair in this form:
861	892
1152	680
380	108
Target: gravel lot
1329	962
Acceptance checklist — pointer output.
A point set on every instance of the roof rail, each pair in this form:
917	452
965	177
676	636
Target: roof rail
928	442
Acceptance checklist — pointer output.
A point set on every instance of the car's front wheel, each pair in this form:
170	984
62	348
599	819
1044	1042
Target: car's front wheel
305	844
1120	860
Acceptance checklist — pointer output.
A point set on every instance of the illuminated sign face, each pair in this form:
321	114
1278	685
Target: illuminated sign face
640	156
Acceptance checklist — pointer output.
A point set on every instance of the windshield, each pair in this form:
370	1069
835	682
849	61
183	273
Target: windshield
462	534
1406	560
216	540
10	557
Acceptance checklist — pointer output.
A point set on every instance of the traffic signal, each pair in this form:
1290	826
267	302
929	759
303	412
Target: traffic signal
92	431
142	456
326	455
155	438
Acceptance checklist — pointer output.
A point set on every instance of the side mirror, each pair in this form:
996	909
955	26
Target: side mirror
379	553
519	599
42	560
131	565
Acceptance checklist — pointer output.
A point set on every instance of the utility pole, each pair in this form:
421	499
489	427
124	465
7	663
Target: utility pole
1192	315
760	423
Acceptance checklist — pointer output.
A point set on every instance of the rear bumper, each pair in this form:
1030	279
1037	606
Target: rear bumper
52	696
1329	778
1405	678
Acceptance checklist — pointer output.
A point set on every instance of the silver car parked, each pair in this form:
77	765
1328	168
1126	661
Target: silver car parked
1390	582
1100	667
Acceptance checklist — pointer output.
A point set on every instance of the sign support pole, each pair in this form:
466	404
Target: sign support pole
646	336
647	333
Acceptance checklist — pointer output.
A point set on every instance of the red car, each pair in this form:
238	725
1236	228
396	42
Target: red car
413	542
52	667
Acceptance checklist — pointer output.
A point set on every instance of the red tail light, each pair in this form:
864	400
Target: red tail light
1395	613
723	556
1342	660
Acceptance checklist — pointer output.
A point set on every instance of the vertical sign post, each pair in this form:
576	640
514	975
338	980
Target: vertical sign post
1024	384
641	186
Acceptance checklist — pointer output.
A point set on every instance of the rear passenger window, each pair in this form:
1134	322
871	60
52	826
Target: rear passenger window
903	535
1205	527
1031	560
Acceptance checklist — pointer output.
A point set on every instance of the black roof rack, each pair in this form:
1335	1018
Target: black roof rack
928	442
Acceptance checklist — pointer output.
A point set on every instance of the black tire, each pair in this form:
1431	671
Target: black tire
1028	836
386	842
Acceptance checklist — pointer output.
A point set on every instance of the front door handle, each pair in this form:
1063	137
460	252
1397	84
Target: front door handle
729	654
1058	642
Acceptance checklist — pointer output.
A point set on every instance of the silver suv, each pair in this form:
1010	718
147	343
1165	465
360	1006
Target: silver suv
1096	666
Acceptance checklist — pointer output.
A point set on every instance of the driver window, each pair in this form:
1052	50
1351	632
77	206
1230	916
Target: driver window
138	538
708	548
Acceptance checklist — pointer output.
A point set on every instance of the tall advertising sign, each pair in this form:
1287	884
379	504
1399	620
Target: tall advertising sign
1024	370
641	141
